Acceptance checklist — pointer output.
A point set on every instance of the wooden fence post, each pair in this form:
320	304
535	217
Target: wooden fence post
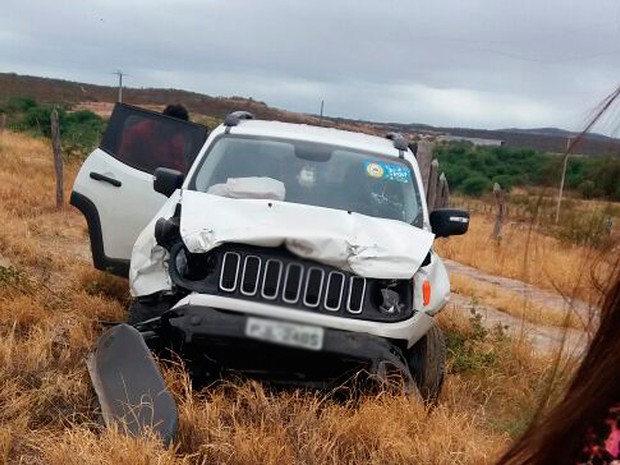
424	156
2	123
57	148
431	193
443	198
500	202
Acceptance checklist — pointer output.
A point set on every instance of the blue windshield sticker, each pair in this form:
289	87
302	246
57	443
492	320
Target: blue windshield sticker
388	171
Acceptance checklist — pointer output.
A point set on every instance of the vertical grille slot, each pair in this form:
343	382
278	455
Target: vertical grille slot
292	283
272	278
335	289
250	277
230	271
314	287
357	290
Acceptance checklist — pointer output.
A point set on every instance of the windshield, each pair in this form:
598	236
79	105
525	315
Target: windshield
311	174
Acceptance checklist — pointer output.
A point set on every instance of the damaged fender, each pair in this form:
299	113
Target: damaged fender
148	271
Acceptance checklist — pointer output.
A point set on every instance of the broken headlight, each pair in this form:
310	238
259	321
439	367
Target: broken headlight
392	298
189	270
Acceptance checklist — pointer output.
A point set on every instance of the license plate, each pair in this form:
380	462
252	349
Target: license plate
289	334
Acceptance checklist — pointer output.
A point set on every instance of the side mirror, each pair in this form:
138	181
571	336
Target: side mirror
166	181
449	222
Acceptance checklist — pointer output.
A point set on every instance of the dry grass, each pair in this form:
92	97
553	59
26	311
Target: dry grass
530	256
51	306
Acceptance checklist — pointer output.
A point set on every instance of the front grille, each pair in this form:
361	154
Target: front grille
277	277
294	283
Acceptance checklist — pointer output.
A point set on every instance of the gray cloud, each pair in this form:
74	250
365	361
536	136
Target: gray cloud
479	63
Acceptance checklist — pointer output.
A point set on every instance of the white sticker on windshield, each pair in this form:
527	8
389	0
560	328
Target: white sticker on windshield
306	177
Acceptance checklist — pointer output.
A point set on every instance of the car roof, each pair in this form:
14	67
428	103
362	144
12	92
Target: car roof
305	132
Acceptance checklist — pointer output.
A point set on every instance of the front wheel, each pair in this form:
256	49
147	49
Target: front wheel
427	363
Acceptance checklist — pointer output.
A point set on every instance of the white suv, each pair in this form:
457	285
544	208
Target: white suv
295	253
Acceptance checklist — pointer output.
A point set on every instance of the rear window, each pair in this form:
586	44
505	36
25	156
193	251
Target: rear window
313	174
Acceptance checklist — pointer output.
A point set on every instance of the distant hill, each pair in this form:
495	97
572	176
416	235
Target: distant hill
551	140
543	131
46	90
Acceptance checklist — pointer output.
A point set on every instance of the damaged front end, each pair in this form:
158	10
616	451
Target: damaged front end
236	286
306	296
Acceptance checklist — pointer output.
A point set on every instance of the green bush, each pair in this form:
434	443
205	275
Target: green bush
507	181
476	186
462	161
466	165
80	131
469	352
18	105
584	228
587	189
38	120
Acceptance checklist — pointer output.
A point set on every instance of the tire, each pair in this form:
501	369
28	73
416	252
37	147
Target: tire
427	362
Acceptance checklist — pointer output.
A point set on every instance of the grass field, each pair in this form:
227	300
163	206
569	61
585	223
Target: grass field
53	306
525	253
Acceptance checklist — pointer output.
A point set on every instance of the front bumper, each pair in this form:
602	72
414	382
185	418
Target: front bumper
215	340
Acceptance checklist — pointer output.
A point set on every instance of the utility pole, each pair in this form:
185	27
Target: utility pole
120	75
557	211
322	106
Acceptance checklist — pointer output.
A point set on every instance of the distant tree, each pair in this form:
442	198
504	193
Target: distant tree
476	186
19	105
508	166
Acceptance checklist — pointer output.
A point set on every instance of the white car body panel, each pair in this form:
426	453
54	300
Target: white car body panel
123	211
437	275
148	271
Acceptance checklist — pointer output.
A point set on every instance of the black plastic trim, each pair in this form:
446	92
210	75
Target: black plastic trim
115	266
102	177
221	334
234	118
398	140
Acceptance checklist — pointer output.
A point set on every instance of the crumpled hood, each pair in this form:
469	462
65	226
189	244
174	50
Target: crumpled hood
367	246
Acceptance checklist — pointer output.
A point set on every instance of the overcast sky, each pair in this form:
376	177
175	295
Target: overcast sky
472	63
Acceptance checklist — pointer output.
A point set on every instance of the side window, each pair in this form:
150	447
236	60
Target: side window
146	140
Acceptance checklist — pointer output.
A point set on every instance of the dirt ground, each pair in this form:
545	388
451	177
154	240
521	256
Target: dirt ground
545	338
